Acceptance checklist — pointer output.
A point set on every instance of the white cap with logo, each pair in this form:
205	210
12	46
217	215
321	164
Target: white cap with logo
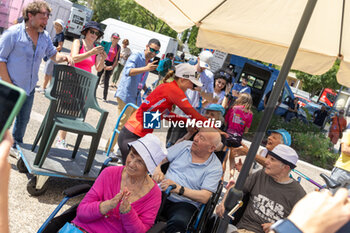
188	71
205	59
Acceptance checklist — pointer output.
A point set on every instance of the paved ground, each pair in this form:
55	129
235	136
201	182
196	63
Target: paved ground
27	213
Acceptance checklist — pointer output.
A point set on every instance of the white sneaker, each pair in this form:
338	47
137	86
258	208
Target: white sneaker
61	144
40	90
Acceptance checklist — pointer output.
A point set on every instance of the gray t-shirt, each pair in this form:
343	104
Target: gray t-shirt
269	201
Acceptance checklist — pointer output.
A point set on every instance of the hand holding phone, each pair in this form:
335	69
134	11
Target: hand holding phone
11	101
106	45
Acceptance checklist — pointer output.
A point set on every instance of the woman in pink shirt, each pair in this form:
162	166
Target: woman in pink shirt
85	55
110	63
124	198
238	119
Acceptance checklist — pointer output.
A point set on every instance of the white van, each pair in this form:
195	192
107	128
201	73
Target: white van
75	23
138	37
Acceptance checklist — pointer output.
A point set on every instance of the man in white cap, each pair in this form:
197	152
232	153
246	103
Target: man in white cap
196	171
196	95
272	193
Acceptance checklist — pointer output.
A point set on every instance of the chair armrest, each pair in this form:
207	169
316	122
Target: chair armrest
77	190
158	227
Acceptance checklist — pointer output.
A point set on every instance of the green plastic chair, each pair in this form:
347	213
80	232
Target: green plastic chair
72	92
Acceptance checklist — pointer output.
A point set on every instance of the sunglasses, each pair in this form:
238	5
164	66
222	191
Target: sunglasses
153	50
224	74
97	33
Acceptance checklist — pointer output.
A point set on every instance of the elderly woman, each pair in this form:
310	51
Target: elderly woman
124	198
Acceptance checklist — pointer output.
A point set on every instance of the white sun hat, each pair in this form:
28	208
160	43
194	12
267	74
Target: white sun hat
151	151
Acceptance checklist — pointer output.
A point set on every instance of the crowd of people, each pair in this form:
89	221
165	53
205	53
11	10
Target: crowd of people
127	198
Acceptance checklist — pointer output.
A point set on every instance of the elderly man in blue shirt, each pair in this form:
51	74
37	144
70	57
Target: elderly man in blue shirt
22	48
196	171
133	80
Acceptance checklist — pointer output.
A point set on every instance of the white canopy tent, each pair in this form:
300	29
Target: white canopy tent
293	33
264	29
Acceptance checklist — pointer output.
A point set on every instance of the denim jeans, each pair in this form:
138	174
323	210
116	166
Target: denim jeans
22	119
178	214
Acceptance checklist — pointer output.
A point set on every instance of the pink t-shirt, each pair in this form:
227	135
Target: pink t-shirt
140	218
87	63
237	119
112	53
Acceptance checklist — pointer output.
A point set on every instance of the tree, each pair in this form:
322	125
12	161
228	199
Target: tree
130	12
314	84
192	41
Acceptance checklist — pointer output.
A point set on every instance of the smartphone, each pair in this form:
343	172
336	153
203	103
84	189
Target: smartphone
11	101
106	45
157	59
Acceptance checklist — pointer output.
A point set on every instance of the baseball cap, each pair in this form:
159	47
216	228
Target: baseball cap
187	71
60	22
205	58
216	107
285	154
116	35
287	139
150	149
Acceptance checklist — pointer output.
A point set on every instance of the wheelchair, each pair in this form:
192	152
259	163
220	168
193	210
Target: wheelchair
197	224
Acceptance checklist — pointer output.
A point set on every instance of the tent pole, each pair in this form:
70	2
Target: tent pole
235	194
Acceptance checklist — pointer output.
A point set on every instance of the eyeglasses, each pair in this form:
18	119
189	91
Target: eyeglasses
153	50
97	33
224	74
45	14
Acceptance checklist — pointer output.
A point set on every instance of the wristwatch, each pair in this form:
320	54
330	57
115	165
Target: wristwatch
181	191
285	226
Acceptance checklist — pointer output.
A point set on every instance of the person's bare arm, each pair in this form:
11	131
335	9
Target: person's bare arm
4	74
158	175
345	149
116	60
60	46
5	167
149	67
80	57
201	196
100	61
60	57
261	160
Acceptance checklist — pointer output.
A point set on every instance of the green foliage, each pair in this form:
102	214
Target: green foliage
192	41
184	36
130	12
311	144
315	83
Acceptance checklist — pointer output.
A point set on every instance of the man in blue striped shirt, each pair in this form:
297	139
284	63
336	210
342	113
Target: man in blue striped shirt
22	47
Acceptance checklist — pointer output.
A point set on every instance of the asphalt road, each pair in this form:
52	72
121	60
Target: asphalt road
27	213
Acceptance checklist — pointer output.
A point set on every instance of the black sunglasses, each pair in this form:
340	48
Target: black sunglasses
97	33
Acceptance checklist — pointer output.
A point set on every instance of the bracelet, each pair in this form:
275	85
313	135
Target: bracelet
125	212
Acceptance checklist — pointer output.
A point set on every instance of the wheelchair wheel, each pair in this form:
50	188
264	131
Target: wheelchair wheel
21	166
32	190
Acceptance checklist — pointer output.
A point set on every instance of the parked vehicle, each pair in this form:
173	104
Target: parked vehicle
261	79
75	23
302	101
138	37
328	97
60	10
